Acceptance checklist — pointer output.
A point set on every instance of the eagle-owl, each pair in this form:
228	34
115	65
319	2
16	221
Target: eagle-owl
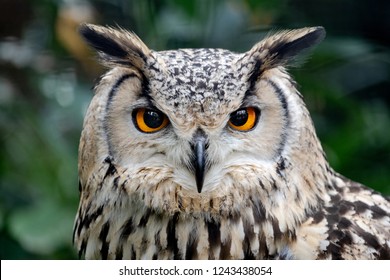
211	154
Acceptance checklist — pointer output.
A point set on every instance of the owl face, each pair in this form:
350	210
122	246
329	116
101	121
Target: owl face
198	115
209	154
198	121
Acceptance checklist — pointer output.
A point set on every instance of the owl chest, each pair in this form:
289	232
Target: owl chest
149	235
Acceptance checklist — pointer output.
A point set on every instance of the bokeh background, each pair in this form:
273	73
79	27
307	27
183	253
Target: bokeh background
46	75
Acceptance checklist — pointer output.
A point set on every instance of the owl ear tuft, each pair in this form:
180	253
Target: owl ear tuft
281	49
116	46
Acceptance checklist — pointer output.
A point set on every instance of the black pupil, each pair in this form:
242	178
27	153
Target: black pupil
153	119
239	118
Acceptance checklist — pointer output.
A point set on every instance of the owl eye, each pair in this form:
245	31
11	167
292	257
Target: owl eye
244	119
149	120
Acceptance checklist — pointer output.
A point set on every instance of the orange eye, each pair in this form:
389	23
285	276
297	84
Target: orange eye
244	119
148	120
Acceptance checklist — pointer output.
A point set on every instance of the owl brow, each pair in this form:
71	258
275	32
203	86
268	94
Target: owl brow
145	91
116	86
253	78
255	74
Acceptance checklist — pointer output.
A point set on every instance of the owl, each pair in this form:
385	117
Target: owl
211	154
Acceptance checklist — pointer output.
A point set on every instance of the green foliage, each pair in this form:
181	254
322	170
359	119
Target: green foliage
45	82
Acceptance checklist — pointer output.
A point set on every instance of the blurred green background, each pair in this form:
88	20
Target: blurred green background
46	75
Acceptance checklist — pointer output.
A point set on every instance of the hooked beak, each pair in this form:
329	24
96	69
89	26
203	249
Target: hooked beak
199	158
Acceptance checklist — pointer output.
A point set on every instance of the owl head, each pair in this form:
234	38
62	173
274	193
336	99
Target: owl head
200	124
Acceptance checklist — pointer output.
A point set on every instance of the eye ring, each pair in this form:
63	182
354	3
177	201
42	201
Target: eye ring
244	119
149	120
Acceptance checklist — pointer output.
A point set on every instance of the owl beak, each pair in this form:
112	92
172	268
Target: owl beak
199	159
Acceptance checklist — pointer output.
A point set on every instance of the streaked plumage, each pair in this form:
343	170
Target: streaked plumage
210	154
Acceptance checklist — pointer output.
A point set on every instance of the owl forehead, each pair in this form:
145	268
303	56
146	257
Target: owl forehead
199	83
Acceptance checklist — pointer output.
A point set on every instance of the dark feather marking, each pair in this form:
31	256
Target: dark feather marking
263	249
253	78
214	237
103	237
377	212
354	189
276	229
82	248
110	45
249	234
248	254
335	234
145	218
332	209
281	166
145	90
191	250
338	240
171	236
157	240
298	197
119	252
318	217
111	170
361	207
283	101
102	42
180	203
261	184
225	249
346	239
248	229
116	86
259	211
88	219
384	253
76	227
273	183
214	232
133	254
127	229
345	206
211	203
332	219
111	95
284	50
115	183
153	65
292	234
281	96
123	185
335	199
370	239
334	250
